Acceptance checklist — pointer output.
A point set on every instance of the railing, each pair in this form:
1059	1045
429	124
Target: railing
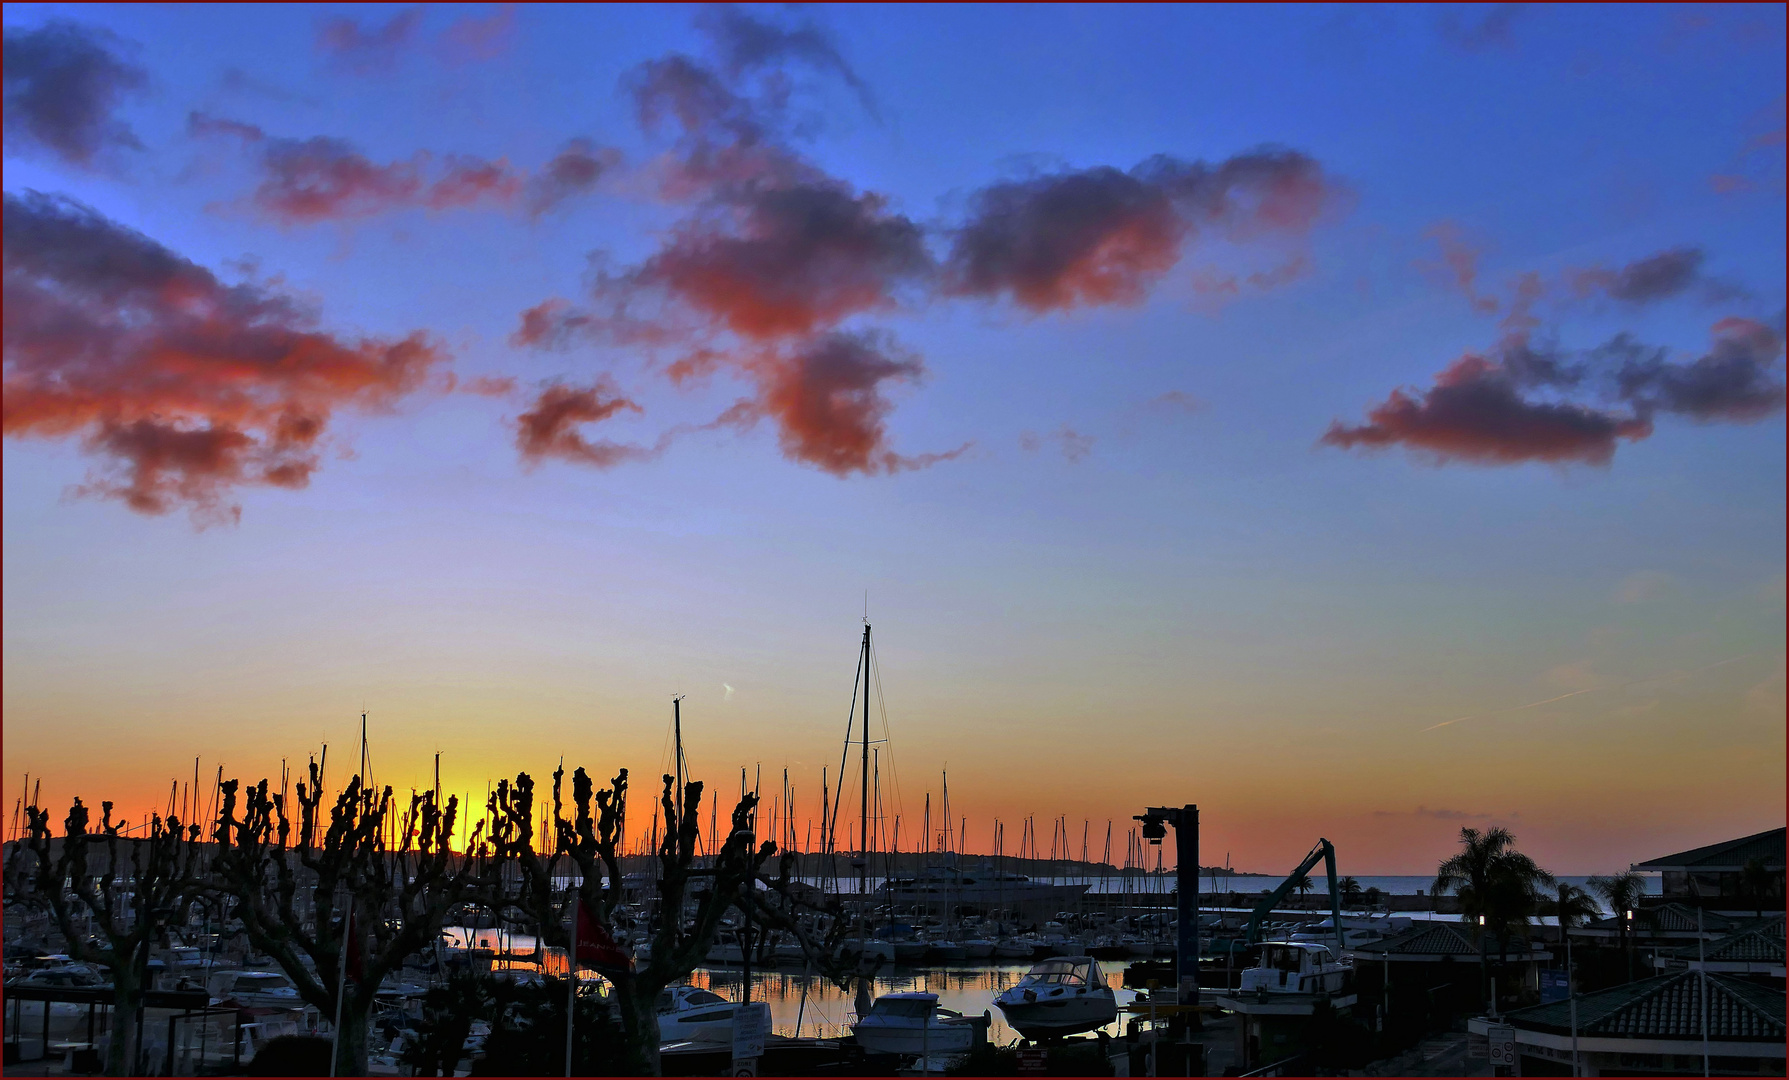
1286	1066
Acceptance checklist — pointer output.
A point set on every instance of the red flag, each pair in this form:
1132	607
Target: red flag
596	947
356	968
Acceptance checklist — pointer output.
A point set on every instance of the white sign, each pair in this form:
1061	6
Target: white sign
751	1023
1503	1044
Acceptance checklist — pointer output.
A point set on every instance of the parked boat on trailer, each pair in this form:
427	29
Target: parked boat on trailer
1060	996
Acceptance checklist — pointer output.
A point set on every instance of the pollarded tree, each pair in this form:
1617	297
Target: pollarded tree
112	916
311	896
692	900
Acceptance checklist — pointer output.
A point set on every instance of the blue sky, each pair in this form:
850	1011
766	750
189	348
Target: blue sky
1106	592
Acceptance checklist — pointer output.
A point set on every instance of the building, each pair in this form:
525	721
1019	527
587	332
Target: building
1434	971
1653	1027
1755	951
1735	875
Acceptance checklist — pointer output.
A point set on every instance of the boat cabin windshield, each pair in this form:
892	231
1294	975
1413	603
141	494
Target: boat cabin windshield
250	984
912	1008
1291	957
1066	973
667	999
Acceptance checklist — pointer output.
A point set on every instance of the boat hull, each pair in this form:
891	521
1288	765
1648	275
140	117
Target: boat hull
1048	1018
946	1038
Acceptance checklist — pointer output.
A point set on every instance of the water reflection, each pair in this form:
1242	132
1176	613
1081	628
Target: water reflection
817	1006
822	1009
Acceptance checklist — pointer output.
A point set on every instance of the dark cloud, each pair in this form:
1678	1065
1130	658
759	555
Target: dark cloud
1178	400
1459	264
1490	29
776	262
1074	446
63	83
1512	406
473	39
550	428
1103	236
1736	380
304	181
746	44
572	172
1477	412
187	388
349	46
1657	277
826	396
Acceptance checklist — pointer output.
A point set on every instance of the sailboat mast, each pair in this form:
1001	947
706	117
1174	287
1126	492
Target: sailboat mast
863	872
677	728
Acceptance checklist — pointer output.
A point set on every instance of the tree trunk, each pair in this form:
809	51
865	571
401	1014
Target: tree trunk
639	1027
351	1047
121	1053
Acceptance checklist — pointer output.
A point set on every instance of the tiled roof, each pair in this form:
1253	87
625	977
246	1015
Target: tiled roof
1669	918
1729	855
1759	945
1669	1007
1434	939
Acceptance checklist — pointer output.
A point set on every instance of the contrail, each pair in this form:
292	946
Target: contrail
1575	693
1512	708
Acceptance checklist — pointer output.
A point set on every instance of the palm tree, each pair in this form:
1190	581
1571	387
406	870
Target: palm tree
1303	884
1622	892
1756	884
1498	886
1572	905
1350	890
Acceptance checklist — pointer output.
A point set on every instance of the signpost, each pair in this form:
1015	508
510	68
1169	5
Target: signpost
1502	1038
1554	986
751	1023
1033	1061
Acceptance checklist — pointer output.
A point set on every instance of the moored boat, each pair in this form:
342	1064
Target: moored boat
912	1023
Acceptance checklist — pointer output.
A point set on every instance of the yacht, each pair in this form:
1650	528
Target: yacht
952	886
912	1023
1295	967
257	989
1357	930
1061	996
692	1014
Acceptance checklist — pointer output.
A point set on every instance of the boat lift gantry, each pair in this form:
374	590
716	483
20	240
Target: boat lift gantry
1325	851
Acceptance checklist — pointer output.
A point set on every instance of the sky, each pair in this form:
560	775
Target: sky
1358	422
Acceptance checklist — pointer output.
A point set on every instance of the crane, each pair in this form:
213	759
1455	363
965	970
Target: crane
1323	850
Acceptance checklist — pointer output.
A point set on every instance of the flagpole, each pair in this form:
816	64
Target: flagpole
341	986
571	978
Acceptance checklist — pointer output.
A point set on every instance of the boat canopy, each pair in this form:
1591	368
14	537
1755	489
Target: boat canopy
1068	971
914	1005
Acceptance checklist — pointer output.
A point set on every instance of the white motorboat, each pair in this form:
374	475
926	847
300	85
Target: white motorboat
947	951
978	948
257	989
692	1014
912	1023
1061	996
1014	949
1295	967
69	976
1357	930
1139	947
